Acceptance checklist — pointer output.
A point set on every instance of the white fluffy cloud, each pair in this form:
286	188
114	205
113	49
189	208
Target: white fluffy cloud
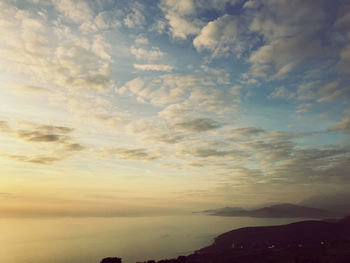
178	14
145	54
104	20
182	15
30	47
217	35
184	90
78	11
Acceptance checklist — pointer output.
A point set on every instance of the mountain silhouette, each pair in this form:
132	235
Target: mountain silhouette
276	211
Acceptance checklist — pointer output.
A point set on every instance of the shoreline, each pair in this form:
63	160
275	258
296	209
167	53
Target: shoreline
311	240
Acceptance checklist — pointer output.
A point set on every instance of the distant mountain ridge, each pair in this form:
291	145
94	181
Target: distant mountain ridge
276	211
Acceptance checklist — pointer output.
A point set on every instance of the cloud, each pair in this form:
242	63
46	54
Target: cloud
222	75
209	153
274	40
39	137
276	157
159	26
83	68
51	128
161	90
306	107
215	99
4	127
290	32
183	16
54	54
341	37
74	147
41	133
155	130
335	90
270	152
49	134
135	18
306	91
178	15
100	47
198	125
132	154
50	143
34	89
217	35
25	34
141	40
181	27
281	159
144	54
314	165
345	59
343	125
107	19
45	160
322	92
173	131
112	121
183	92
246	132
103	21
76	10
153	67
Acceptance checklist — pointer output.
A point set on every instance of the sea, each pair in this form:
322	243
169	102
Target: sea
89	239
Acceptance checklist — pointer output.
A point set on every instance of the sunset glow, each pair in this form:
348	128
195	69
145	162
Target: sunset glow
129	108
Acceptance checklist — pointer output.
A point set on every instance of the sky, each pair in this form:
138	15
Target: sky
119	108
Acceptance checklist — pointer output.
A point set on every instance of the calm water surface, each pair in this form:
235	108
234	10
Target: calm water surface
88	240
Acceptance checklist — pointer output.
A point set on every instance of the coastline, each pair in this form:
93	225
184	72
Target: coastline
303	241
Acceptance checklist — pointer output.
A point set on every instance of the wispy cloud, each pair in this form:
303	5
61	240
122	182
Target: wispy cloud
50	143
198	125
153	67
131	154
